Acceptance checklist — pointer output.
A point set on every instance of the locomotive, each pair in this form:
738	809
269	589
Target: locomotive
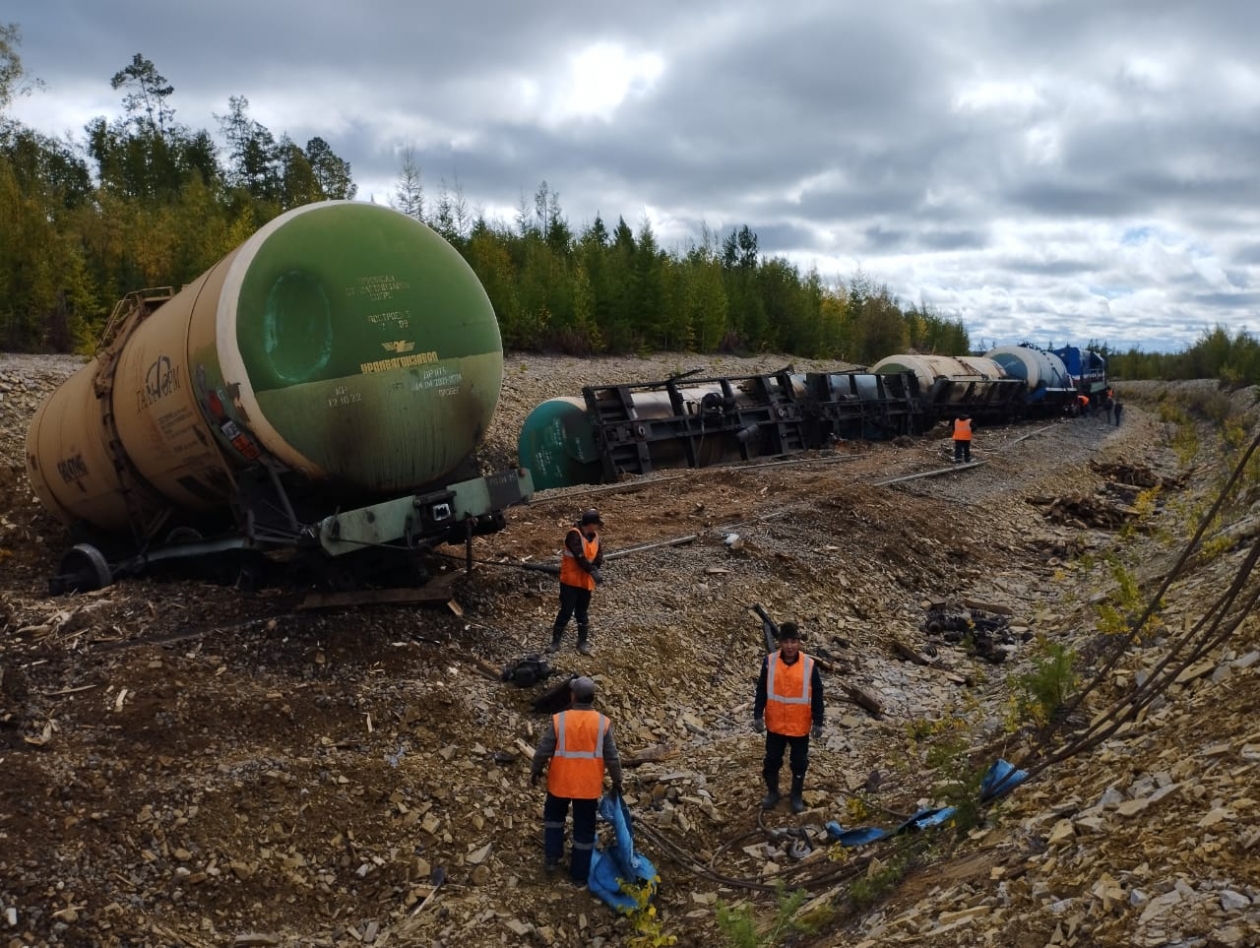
685	421
314	397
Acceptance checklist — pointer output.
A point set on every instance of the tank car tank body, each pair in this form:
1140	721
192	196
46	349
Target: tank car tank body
952	385
324	386
679	422
1047	379
684	421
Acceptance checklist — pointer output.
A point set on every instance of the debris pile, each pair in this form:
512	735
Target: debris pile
987	635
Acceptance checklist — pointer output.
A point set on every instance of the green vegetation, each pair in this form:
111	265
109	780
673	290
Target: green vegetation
1233	360
1042	691
142	200
740	927
941	744
645	924
882	877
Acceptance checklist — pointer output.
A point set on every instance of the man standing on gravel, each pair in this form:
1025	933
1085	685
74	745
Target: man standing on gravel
579	744
789	697
962	438
580	561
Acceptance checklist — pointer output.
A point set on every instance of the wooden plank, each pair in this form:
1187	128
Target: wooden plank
1029	435
864	700
909	654
426	594
993	607
933	473
492	672
676	541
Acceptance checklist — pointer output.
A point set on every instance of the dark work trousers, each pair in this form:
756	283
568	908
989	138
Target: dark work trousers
962	450
574	600
776	744
555	809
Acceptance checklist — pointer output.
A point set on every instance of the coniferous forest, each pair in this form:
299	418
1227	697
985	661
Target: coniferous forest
142	200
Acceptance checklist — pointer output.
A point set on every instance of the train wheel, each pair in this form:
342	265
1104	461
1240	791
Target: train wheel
182	535
83	569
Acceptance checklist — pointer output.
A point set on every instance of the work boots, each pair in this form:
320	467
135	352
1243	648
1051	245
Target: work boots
771	799
798	785
582	645
555	641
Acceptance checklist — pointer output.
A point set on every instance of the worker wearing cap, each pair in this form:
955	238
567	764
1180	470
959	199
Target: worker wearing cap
580	561
789	700
580	747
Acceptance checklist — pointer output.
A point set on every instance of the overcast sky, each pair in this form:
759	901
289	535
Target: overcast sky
1046	170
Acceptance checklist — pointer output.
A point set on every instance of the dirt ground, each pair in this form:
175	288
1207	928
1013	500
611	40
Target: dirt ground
183	763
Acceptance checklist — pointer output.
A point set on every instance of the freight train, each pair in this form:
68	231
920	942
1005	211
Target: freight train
685	421
315	397
315	400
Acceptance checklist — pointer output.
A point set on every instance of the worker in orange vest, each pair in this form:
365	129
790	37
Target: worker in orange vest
789	699
579	744
580	561
962	438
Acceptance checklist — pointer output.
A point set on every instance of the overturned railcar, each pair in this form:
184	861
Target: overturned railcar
1048	385
687	421
317	394
950	386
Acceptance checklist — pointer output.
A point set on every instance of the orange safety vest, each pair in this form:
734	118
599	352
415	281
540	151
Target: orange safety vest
789	697
571	572
962	429
577	766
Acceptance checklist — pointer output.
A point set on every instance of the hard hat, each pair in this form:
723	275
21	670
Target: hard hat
583	689
591	516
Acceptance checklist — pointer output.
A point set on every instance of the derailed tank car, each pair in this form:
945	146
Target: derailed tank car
949	386
686	421
1049	388
319	391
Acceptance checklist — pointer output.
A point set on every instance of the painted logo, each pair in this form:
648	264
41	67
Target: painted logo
71	469
161	380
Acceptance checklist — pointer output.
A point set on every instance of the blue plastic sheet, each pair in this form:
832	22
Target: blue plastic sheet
1001	778
854	837
618	863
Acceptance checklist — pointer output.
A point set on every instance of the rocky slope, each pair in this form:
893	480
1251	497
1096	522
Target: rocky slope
189	764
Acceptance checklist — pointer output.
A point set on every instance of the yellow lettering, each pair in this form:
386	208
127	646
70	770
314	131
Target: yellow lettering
398	362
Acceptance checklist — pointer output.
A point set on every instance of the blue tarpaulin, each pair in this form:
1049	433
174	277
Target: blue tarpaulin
1001	778
618	863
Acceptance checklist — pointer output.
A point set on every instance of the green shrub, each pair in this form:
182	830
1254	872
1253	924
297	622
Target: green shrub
740	928
645	923
882	878
1044	690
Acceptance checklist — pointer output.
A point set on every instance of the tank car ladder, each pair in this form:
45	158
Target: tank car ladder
147	510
